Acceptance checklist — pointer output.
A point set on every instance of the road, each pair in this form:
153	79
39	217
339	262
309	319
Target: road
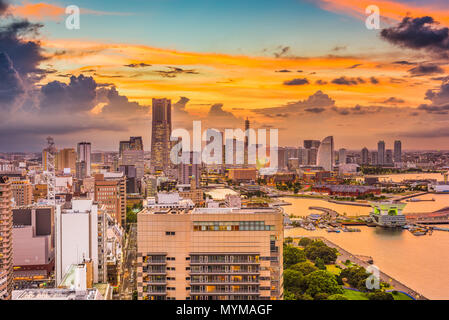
128	272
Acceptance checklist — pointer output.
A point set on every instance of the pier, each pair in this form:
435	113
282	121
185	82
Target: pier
346	255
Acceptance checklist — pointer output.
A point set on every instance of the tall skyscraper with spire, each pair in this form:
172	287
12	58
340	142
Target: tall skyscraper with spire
160	134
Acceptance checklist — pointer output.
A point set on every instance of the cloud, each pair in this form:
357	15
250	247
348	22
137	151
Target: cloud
11	85
426	69
175	71
374	80
355	66
47	11
138	65
296	82
418	33
313	104
404	62
393	100
283	71
216	110
320	82
282	52
347	81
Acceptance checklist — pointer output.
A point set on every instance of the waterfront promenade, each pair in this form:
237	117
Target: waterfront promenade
346	255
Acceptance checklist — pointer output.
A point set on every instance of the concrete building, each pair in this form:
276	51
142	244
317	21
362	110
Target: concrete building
365	156
381	153
190	168
110	191
84	159
76	236
66	159
242	175
6	242
149	186
342	156
160	134
22	192
397	151
210	254
325	157
33	242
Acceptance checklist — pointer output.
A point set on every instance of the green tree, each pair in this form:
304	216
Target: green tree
319	263
321	281
304	242
337	297
319	249
356	277
293	282
292	256
305	267
379	295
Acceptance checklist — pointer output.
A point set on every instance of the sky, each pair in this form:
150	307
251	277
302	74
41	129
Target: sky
307	68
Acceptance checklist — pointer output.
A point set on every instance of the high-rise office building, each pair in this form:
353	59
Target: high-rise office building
381	152
246	150
325	158
342	156
22	192
397	151
374	158
66	159
365	156
84	152
110	191
6	242
160	134
190	168
309	144
389	157
76	236
134	158
210	254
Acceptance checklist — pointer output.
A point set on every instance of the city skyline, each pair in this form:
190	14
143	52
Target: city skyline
81	84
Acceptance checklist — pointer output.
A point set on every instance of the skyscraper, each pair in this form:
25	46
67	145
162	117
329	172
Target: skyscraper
309	144
389	156
381	152
84	151
246	154
6	218
397	151
325	158
342	155
160	134
188	170
365	156
66	159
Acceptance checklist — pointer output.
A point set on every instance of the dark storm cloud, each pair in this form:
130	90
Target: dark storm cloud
426	69
315	110
3	7
418	33
11	85
76	96
347	81
296	82
439	99
120	105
